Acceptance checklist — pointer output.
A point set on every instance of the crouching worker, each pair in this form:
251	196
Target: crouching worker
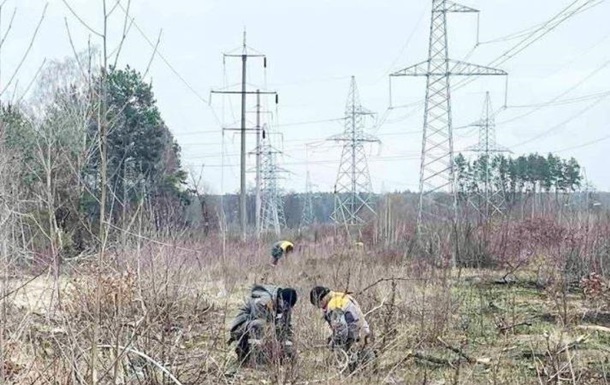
263	323
281	249
350	331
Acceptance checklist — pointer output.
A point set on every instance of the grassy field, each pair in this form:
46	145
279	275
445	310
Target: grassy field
171	306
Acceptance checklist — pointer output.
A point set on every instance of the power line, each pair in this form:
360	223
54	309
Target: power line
563	102
169	65
309	81
390	158
547	27
404	47
558	97
563	123
586	144
309	140
518	34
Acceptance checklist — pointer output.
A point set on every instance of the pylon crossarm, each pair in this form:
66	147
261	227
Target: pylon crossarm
495	150
461	68
419	69
365	111
364	137
500	148
450	6
345	136
438	68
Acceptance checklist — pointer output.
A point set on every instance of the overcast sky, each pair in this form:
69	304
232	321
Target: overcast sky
314	46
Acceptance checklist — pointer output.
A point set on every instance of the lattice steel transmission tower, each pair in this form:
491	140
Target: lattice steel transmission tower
353	189
489	198
307	217
437	172
273	218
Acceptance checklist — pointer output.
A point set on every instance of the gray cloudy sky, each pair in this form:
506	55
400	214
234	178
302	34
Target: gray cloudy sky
314	46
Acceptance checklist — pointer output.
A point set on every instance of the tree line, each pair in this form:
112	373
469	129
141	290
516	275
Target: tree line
53	146
514	177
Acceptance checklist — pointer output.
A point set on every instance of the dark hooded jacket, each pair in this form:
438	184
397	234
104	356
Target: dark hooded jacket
262	307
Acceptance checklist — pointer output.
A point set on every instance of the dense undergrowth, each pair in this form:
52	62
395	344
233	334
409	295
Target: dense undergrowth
526	310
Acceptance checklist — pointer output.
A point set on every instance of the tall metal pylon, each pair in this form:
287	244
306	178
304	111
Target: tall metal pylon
489	199
437	172
246	53
273	218
353	189
307	217
258	168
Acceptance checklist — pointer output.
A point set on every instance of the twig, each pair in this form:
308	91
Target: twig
10	25
29	86
456	350
596	328
78	62
386	280
573	344
154	53
434	360
164	59
511	271
375	308
126	28
27	51
80	19
146	357
504	329
23	285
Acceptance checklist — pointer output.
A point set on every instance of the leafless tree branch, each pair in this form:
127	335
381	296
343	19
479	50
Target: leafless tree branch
10	26
80	19
154	53
44	11
29	86
126	28
80	66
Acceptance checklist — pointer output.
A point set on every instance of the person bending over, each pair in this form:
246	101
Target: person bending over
266	308
281	249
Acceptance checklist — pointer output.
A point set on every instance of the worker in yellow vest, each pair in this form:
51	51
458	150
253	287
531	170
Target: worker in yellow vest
350	331
343	315
281	249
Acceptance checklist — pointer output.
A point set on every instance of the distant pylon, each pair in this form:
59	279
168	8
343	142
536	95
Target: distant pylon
273	205
307	218
353	189
437	173
489	199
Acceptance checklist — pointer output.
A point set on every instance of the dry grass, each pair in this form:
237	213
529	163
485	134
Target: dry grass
171	306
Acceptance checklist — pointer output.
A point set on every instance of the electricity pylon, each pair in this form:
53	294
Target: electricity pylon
353	189
437	173
246	53
273	218
490	199
307	217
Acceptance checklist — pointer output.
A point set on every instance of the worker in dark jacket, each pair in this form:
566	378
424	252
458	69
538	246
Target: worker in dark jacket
281	249
267	307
